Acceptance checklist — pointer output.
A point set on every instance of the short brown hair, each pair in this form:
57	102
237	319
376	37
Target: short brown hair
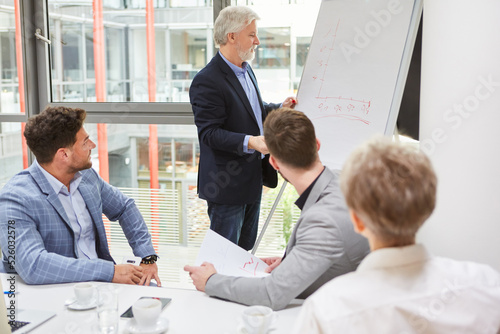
290	137
392	187
52	129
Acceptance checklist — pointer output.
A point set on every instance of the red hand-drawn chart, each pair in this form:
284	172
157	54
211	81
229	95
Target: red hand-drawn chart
228	258
250	267
336	106
354	76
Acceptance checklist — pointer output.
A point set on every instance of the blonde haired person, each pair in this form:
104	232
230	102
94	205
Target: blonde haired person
399	287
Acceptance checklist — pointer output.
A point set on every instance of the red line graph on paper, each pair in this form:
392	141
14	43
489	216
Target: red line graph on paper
250	267
346	116
349	108
323	48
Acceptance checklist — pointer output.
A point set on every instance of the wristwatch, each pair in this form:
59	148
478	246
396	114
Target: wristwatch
149	259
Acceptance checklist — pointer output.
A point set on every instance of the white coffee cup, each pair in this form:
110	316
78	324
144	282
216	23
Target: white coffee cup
257	319
84	293
146	312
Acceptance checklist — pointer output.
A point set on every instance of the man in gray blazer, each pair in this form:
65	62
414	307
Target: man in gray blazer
323	244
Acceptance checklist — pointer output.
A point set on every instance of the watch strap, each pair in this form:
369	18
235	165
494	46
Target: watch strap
149	259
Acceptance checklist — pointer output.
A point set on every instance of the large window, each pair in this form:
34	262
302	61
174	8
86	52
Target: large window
178	46
176	51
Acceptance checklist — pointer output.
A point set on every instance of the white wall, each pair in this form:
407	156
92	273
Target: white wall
460	126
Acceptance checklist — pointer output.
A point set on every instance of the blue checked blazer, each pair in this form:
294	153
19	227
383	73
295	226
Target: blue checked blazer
36	235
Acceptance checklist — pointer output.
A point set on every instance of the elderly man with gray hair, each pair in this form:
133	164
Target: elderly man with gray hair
229	113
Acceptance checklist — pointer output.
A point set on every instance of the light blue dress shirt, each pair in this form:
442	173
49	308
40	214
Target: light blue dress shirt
77	212
247	84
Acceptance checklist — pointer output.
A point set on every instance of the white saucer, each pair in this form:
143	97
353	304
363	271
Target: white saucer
242	330
160	327
79	307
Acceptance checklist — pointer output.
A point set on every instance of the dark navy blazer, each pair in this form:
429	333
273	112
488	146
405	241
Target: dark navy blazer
224	116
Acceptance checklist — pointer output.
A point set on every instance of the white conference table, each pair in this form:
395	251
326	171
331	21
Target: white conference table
190	311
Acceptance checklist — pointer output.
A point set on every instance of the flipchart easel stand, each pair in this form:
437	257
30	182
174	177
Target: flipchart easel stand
273	208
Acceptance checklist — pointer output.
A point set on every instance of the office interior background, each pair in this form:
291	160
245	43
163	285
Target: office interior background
129	63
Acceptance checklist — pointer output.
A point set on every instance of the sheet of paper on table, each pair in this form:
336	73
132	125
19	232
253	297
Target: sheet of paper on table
228	258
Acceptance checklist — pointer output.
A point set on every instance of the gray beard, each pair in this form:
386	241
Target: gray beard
246	55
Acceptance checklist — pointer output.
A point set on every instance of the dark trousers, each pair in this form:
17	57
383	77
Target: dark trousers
238	223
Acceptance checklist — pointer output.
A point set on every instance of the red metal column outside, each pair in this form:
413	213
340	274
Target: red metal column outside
100	87
100	92
153	128
20	78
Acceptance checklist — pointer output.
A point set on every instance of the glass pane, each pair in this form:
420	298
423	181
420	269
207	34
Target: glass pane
182	46
280	58
274	49
174	210
189	3
301	56
191	46
10	55
179	50
11	152
268	2
165	3
272	64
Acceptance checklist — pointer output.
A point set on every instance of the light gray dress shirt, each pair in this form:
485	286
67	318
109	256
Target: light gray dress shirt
78	215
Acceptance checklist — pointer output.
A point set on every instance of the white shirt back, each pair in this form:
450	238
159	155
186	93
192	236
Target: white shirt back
405	290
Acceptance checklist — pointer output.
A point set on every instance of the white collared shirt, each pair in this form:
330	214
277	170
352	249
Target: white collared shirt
406	290
78	215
